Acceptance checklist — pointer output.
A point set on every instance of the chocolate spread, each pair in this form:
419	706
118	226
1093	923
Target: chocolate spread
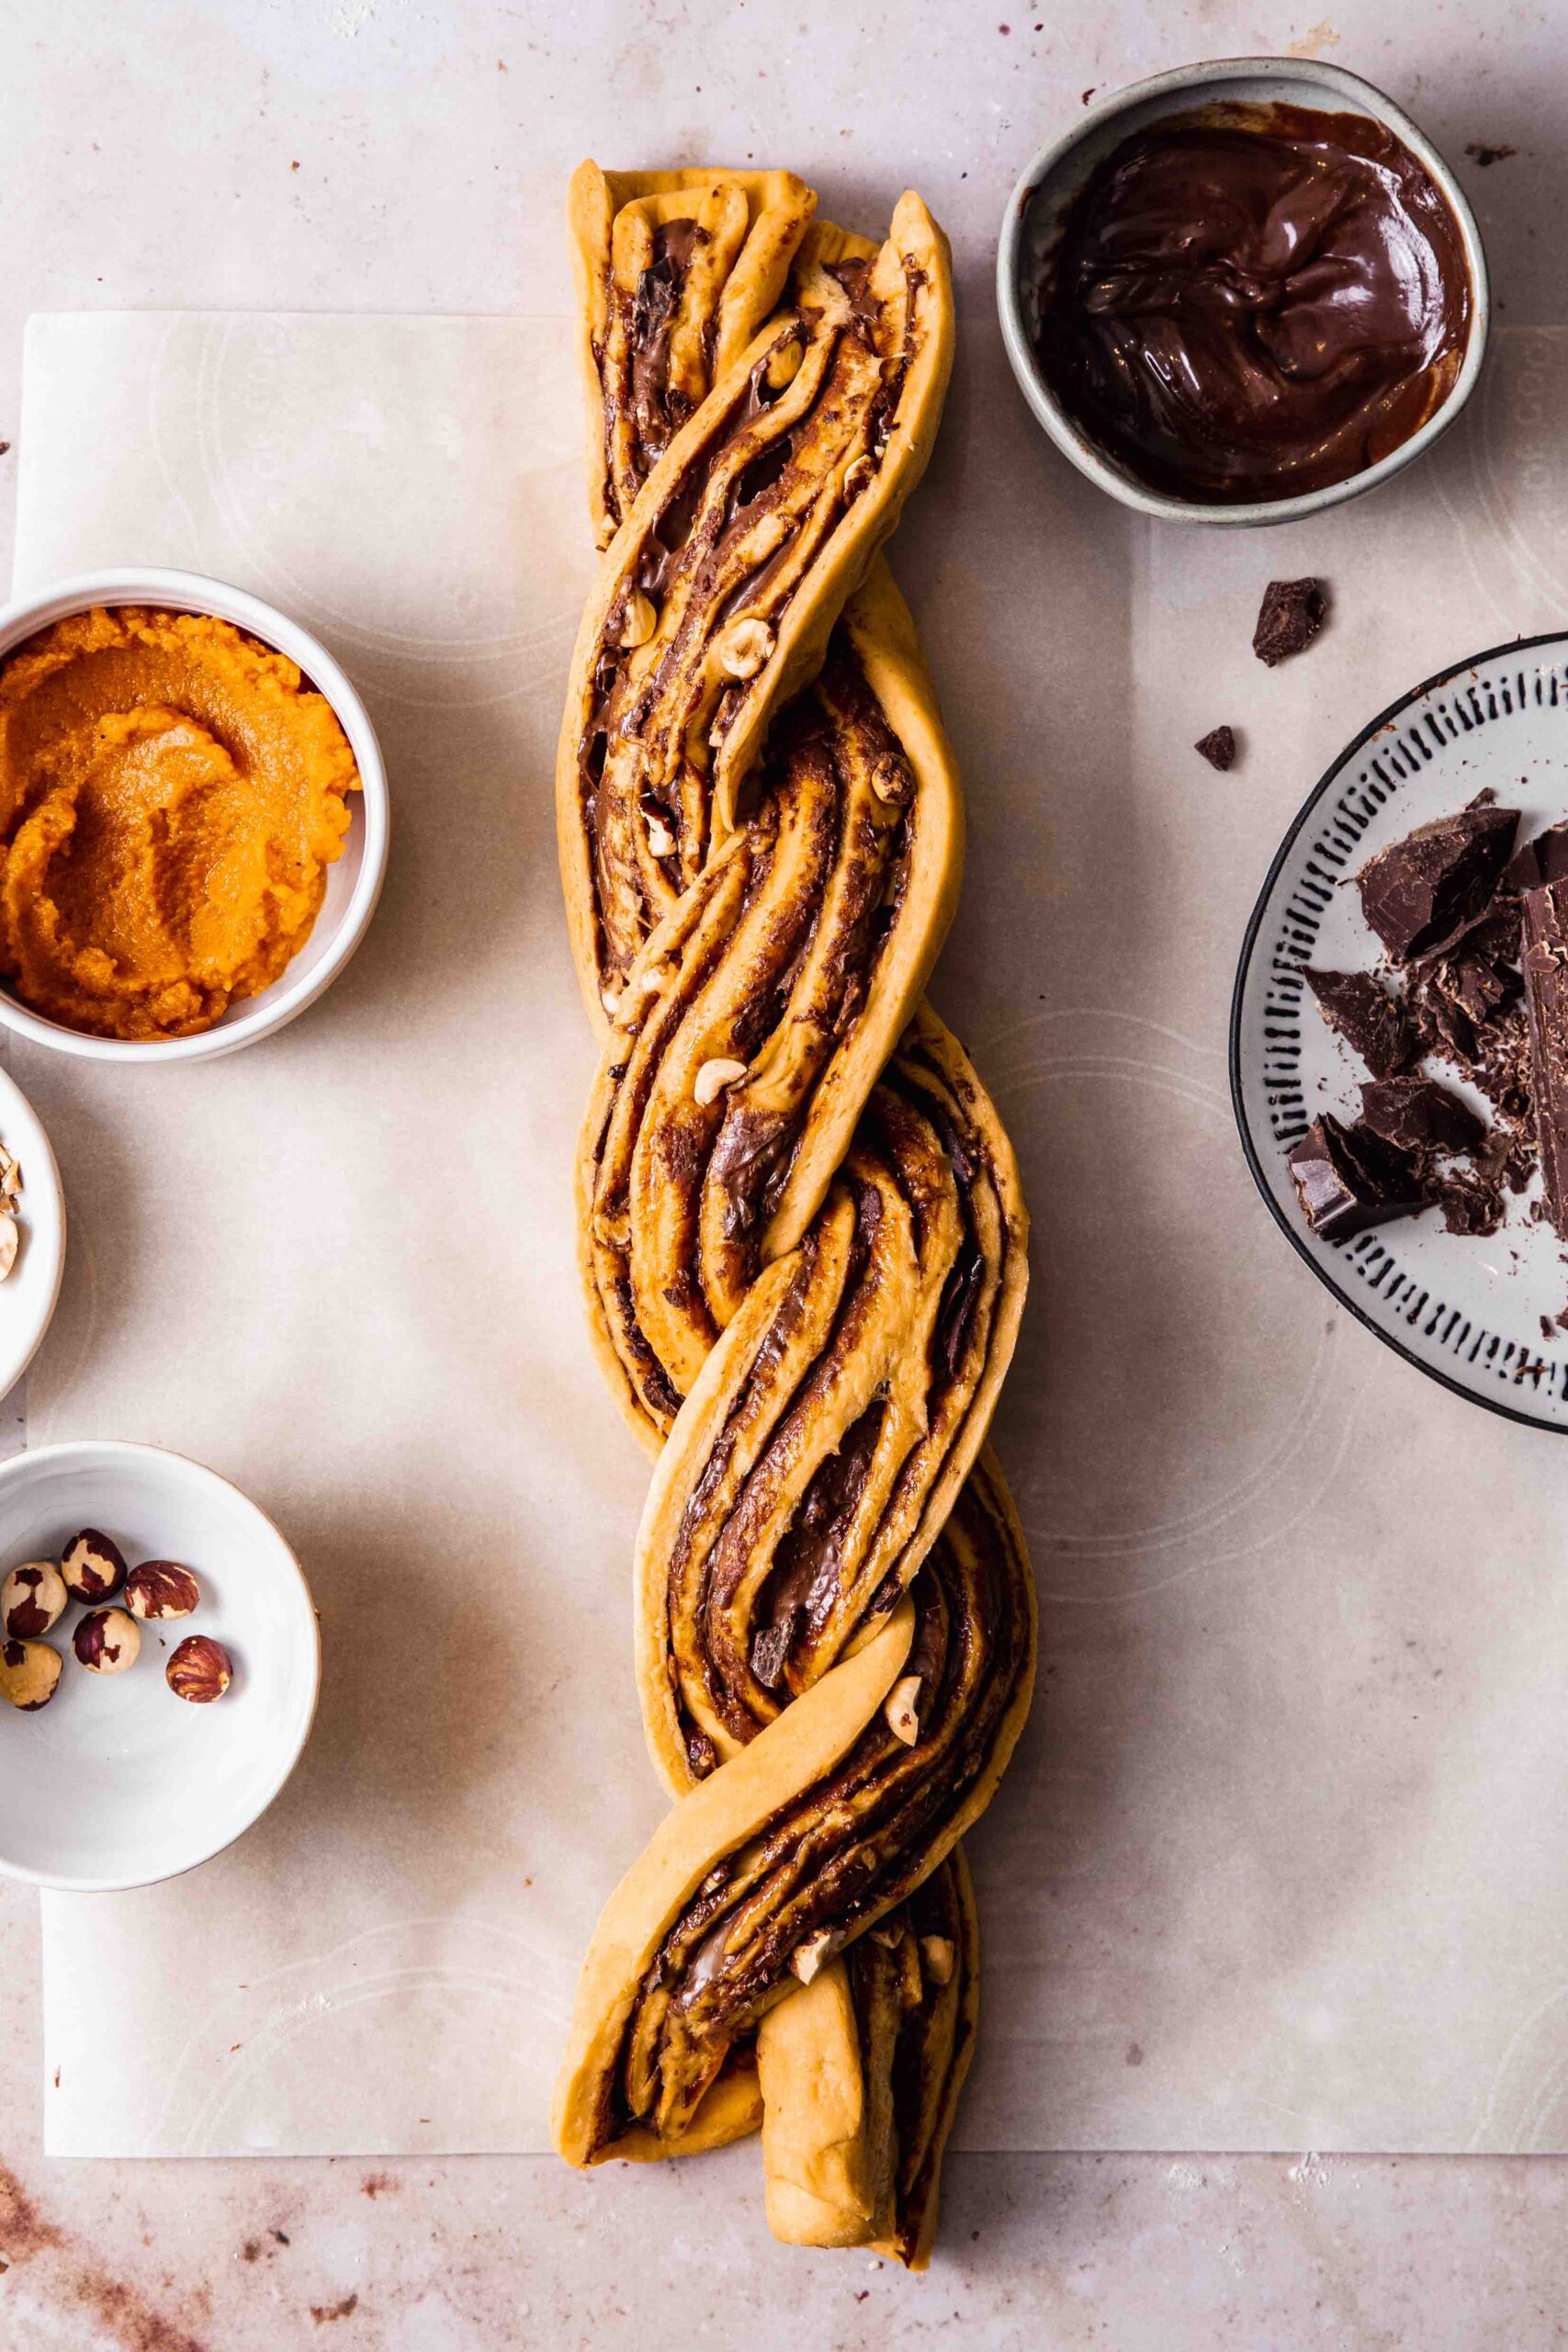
1256	302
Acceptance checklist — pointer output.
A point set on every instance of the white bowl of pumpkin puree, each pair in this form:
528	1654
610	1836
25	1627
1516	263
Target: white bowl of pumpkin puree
193	817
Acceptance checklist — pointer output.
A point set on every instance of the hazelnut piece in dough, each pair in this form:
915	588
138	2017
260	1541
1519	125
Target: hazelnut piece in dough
31	1599
94	1566
29	1674
161	1588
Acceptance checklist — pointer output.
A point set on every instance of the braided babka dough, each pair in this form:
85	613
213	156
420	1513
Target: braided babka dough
802	1235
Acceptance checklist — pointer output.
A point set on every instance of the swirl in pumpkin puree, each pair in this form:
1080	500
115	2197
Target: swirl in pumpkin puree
171	795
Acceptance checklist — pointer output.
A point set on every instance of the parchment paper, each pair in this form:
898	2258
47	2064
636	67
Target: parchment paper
1283	1862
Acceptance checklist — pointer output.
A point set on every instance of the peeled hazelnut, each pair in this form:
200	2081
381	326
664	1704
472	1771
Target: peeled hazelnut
638	621
937	1953
29	1674
660	840
31	1600
783	363
744	647
161	1588
107	1641
199	1670
807	1957
714	1077
858	477
9	1240
93	1567
900	1708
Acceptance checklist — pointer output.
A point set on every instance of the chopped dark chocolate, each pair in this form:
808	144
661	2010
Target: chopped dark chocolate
1348	1179
1546	1003
1371	1023
1290	617
1417	1115
1218	747
1470	1204
1537	862
1419	892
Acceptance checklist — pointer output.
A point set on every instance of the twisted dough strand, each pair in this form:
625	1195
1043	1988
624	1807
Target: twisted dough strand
802	1235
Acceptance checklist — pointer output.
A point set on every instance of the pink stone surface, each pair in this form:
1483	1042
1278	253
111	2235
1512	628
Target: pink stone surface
374	153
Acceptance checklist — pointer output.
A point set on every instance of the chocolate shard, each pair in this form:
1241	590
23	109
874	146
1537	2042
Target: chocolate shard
1371	1023
1218	747
771	1647
1546	1004
1417	1116
1536	863
1472	1204
1348	1179
1290	617
1419	892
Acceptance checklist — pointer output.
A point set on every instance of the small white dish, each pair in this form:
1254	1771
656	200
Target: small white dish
354	883
117	1781
1054	177
1467	1311
30	1291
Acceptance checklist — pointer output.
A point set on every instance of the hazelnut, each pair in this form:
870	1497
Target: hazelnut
660	840
859	476
31	1600
161	1588
744	647
714	1077
10	1239
93	1567
938	1955
29	1674
901	1708
807	1957
784	363
199	1670
107	1641
638	621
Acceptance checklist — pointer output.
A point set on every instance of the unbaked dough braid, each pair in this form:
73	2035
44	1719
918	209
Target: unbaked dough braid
803	1240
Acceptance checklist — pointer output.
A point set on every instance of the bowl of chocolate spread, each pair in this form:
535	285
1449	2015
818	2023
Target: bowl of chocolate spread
1243	291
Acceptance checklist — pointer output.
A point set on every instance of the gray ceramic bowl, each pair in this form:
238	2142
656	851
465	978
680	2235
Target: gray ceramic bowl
1059	171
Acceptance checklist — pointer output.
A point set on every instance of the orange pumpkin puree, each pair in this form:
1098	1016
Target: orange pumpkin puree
171	795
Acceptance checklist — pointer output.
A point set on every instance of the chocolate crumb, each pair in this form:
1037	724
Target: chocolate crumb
1290	617
1218	747
322	2312
1486	156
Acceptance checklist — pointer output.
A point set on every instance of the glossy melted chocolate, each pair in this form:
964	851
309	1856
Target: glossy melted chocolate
1256	303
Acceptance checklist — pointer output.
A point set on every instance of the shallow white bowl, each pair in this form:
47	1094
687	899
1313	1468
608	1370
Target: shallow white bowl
354	883
1053	178
116	1782
29	1293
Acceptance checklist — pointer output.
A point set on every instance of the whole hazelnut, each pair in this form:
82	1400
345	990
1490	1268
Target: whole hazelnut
29	1673
31	1600
107	1641
161	1588
199	1670
93	1567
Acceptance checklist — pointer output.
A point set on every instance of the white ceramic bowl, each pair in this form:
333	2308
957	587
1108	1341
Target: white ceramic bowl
1057	173
116	1782
29	1293
354	883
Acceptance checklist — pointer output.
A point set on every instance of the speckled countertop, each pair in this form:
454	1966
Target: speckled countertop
380	155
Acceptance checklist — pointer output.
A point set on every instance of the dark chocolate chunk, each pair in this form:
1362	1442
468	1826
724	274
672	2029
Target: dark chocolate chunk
771	1649
1419	892
1537	862
1470	1203
1348	1179
1371	1023
1546	1003
1218	747
1417	1115
1290	617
